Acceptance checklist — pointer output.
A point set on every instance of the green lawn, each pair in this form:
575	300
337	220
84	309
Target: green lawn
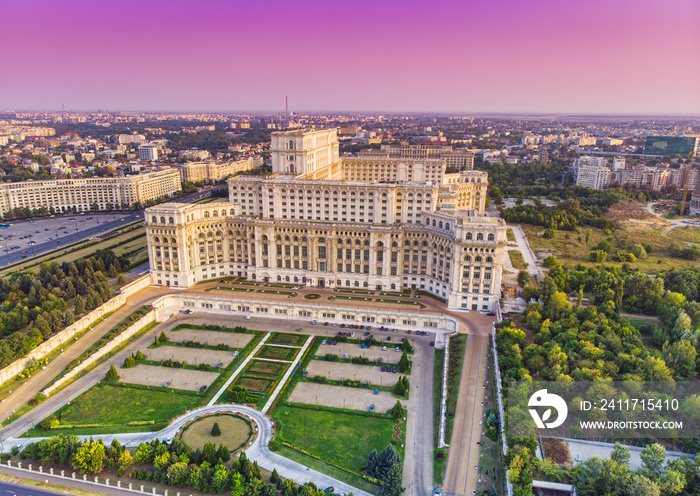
516	258
277	353
341	439
112	409
324	468
288	339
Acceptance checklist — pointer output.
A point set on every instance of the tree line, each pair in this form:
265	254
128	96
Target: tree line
37	305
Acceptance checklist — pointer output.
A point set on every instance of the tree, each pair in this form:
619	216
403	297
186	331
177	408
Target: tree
680	356
195	478
403	363
139	355
641	486
215	430
129	362
144	453
161	461
653	457
654	369
224	453
121	279
238	484
620	454
372	463
124	461
89	458
550	261
162	338
523	278
588	235
399	389
392	482
112	374
398	411
220	479
179	474
388	457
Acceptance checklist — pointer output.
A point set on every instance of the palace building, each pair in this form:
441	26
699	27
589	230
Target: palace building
323	221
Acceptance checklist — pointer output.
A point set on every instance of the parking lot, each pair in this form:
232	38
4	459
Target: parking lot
22	239
233	339
191	356
157	376
364	373
342	397
354	350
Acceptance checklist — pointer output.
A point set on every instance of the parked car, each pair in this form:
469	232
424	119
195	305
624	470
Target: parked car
203	388
432	343
397	349
383	348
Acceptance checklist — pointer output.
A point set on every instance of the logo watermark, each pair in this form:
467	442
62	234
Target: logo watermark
604	409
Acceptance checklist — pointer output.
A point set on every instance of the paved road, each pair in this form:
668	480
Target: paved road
42	377
418	464
525	248
461	475
68	484
258	451
9	489
86	229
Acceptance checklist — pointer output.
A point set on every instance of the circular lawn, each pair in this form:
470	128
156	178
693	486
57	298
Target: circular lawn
235	431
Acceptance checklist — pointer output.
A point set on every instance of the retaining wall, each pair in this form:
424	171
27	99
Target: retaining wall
76	327
117	341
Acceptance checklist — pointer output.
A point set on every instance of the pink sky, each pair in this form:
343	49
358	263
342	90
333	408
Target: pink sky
585	56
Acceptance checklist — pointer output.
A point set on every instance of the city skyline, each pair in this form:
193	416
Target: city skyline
503	57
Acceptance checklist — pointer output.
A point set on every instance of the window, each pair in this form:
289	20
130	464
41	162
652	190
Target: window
491	237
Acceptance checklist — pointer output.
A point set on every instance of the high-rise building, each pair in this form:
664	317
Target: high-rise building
671	145
618	163
148	152
593	176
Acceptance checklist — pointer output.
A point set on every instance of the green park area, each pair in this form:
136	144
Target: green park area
516	258
107	409
343	440
660	253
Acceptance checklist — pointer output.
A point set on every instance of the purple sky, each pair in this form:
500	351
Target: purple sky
583	56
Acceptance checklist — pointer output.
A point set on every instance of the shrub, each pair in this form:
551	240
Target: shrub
274	445
129	362
550	262
548	233
112	374
50	422
216	430
597	256
139	355
330	357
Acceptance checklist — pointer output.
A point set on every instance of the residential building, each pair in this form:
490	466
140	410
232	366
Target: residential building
216	171
148	152
81	194
593	176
